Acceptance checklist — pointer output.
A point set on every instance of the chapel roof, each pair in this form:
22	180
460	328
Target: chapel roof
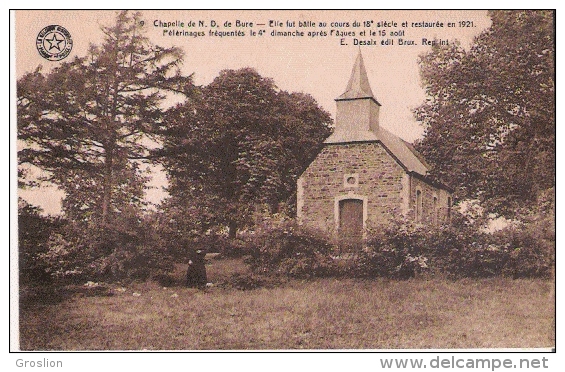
400	149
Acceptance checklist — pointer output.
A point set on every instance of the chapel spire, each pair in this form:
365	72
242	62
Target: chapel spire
358	85
357	115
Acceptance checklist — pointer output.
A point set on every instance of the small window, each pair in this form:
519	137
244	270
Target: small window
449	209
419	206
351	180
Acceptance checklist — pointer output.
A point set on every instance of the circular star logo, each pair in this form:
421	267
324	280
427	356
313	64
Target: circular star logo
54	43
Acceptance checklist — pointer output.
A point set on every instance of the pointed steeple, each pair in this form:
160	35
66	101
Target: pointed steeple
357	116
358	86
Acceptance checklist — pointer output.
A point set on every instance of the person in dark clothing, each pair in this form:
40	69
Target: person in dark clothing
196	272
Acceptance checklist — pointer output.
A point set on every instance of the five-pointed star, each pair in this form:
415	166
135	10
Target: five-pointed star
54	42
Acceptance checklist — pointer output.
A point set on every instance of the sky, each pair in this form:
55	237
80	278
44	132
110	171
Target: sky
318	65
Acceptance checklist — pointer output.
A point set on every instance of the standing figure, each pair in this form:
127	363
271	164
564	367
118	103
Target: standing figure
196	272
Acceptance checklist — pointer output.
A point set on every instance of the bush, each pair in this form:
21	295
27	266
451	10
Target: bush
291	250
125	252
233	248
130	262
34	231
67	258
461	251
405	250
402	250
529	253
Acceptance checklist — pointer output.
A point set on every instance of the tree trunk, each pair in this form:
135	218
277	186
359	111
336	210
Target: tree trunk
107	186
232	230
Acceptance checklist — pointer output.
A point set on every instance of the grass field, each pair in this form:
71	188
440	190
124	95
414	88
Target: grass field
320	314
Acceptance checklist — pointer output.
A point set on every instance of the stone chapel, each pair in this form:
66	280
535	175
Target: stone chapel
364	176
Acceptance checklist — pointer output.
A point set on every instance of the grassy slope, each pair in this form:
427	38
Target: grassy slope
336	314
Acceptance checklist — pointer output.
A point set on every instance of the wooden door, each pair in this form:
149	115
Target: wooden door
351	221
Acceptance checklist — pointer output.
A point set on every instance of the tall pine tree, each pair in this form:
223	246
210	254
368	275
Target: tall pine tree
88	122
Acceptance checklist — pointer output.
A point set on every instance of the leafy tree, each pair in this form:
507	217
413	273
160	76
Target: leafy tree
88	122
490	112
241	143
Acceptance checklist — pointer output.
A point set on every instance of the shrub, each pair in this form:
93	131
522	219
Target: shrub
233	248
398	251
67	257
289	249
132	262
386	262
463	250
129	251
34	231
451	250
403	250
529	253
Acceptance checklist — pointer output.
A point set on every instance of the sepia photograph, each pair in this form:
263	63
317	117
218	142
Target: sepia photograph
284	180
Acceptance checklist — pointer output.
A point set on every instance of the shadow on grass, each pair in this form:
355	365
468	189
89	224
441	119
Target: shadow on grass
33	296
